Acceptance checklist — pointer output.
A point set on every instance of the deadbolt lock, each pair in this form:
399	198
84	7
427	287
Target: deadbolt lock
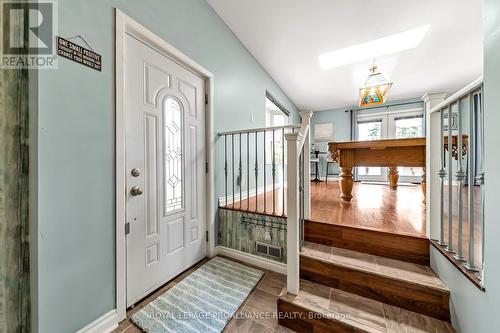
136	190
135	172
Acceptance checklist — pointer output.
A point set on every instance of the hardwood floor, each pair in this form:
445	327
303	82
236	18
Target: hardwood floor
374	206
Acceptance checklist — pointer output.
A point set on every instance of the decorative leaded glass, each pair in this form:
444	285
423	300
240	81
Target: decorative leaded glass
173	132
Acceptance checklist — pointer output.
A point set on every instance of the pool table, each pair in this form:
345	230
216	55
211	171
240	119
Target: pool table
391	153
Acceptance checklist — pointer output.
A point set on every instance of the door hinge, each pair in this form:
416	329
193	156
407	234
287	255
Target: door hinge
206	167
206	236
127	228
206	99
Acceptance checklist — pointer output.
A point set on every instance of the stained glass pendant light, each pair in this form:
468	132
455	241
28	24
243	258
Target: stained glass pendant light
375	90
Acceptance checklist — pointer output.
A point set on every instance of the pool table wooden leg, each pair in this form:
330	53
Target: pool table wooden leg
346	183
393	177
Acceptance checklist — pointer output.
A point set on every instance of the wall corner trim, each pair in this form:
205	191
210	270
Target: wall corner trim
104	324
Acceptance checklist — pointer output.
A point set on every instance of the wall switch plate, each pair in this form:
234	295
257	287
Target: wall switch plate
267	236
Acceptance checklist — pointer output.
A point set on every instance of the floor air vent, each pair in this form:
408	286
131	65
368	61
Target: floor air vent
268	250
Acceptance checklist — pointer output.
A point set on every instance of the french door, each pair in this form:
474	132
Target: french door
394	125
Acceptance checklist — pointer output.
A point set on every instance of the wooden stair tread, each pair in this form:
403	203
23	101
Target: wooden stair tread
389	268
340	311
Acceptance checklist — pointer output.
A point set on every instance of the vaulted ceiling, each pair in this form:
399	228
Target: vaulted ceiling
288	36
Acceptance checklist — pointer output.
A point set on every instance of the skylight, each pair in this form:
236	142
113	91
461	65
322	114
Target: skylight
376	48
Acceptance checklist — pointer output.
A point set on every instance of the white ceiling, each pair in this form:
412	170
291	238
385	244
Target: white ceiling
287	36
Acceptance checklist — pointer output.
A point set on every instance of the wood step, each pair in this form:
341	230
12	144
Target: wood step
403	247
406	285
318	309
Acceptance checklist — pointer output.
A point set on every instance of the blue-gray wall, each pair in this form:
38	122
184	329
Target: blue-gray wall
76	131
472	310
341	132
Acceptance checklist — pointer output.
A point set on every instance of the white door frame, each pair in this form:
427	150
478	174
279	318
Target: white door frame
126	25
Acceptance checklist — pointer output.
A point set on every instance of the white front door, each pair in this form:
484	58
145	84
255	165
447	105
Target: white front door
165	159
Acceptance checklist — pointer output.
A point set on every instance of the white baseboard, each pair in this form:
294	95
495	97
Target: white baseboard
252	259
104	324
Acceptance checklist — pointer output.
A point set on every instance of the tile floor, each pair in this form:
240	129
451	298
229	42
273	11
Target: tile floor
404	271
257	314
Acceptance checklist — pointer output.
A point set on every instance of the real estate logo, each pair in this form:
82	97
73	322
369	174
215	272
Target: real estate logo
28	33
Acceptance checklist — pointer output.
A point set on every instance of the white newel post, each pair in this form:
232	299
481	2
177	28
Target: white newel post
306	120
433	151
293	235
294	142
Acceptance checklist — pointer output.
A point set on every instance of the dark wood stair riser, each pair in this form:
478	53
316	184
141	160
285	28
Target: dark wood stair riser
400	247
302	320
417	298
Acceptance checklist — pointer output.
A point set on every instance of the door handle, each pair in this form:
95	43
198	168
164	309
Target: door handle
136	190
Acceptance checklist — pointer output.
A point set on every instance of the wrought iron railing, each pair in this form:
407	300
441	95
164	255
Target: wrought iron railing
250	182
255	169
461	176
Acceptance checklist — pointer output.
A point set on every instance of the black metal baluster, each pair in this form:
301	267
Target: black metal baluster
256	172
264	166
240	174
274	176
301	197
225	165
283	168
248	171
232	166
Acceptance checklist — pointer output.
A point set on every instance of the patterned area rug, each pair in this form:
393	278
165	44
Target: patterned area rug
204	301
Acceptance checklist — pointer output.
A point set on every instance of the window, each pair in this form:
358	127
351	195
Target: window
409	127
276	115
369	130
173	173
